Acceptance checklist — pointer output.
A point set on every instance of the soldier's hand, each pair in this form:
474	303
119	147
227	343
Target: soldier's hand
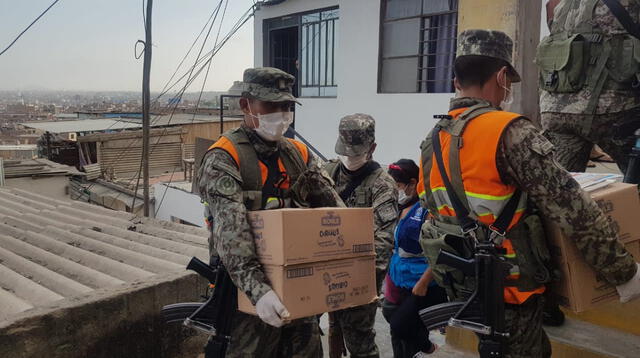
271	310
630	290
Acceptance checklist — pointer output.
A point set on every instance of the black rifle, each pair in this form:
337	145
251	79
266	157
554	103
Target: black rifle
214	316
483	312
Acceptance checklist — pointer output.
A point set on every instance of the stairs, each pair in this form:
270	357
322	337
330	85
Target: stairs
621	316
575	338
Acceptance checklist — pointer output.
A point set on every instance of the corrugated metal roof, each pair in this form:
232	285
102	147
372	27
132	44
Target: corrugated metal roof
82	125
115	124
15	168
19	147
53	253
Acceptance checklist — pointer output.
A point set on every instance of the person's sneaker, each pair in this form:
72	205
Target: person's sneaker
552	316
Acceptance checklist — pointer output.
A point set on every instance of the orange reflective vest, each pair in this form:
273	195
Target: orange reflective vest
485	192
227	145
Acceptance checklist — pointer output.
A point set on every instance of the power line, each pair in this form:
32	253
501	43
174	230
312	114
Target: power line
28	27
204	62
243	19
157	118
215	44
142	158
186	55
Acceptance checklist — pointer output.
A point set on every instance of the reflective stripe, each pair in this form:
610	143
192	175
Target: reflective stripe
514	270
481	204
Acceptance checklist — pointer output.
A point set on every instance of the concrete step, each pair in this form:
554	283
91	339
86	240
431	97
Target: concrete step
574	339
621	316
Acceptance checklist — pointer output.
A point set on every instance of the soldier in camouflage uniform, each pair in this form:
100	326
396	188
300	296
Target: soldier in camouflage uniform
229	192
361	182
605	108
523	161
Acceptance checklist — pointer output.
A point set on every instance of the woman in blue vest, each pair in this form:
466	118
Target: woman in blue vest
409	285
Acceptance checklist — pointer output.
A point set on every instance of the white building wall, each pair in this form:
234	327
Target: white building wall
402	120
178	204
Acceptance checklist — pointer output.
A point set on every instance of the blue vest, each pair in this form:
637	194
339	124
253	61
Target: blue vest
408	262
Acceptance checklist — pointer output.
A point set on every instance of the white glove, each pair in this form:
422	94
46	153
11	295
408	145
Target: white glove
271	310
630	290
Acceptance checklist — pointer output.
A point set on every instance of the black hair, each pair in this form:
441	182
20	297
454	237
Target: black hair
404	170
472	70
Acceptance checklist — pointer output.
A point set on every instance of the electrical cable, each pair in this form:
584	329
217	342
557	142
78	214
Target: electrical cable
204	42
224	12
154	121
241	21
28	27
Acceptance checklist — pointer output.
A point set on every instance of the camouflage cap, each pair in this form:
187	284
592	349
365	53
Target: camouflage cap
268	84
490	43
356	133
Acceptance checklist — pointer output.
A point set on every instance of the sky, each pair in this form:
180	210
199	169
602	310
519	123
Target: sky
89	44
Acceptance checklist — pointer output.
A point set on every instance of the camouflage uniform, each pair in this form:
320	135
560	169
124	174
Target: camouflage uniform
219	183
617	113
524	160
356	135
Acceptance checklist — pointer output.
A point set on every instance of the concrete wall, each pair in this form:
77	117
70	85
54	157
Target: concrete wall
178	204
402	120
114	323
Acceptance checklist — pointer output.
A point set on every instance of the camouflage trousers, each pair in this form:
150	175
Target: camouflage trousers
251	338
357	329
524	324
573	140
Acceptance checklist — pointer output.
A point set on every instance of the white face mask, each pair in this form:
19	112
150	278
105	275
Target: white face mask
354	163
508	96
402	197
272	126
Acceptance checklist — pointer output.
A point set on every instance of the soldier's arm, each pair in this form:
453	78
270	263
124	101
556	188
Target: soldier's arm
385	215
524	159
231	237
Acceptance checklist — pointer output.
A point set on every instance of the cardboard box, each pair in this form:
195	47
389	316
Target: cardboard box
314	288
296	236
621	203
580	289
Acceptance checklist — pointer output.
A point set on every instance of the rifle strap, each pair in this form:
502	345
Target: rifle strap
623	16
468	224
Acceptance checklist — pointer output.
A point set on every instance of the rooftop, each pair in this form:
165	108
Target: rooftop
56	254
115	124
19	147
81	125
36	168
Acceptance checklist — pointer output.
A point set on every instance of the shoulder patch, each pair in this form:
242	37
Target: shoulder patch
226	186
541	145
387	212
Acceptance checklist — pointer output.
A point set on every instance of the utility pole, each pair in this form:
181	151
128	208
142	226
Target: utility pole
146	97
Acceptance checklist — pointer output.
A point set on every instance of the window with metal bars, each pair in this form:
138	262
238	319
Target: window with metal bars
418	45
304	45
317	54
